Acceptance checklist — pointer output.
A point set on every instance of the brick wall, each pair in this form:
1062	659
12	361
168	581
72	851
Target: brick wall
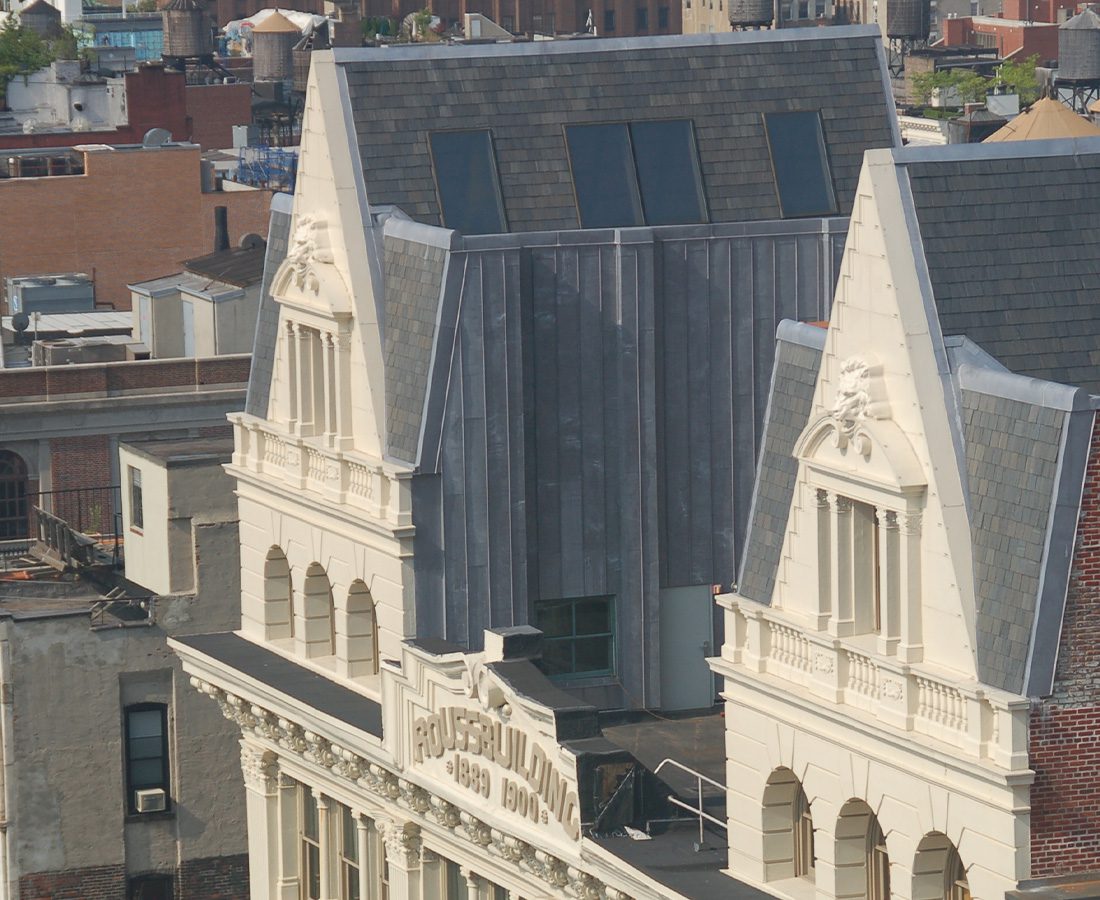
214	878
213	110
80	462
134	215
96	883
1065	728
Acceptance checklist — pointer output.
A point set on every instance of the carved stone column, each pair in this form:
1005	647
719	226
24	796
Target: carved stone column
291	374
342	352
260	771
840	576
823	507
911	641
327	421
367	877
324	838
288	839
402	845
890	600
473	883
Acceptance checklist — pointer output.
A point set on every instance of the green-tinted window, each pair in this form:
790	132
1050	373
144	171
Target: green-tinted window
603	176
801	165
578	636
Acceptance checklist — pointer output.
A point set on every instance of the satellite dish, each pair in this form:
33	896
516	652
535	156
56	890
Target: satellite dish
252	241
20	321
156	137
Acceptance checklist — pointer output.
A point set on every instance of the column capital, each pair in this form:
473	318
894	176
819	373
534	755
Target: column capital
402	840
260	768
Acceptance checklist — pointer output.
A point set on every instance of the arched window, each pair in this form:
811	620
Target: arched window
278	593
861	853
317	634
938	870
14	510
362	631
788	828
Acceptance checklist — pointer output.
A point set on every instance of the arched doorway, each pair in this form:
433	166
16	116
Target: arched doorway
861	853
788	828
14	504
938	870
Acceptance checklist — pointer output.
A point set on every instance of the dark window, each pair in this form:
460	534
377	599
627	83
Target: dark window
309	836
641	173
603	176
551	25
668	172
801	166
507	22
466	179
641	19
13	497
578	636
609	20
662	17
146	751
536	23
137	514
149	887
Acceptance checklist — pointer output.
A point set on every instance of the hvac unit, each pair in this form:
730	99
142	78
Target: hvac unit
151	800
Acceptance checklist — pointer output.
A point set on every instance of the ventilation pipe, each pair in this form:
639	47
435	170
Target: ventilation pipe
221	228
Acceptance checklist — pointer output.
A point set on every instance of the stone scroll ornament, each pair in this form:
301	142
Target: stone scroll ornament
857	384
309	246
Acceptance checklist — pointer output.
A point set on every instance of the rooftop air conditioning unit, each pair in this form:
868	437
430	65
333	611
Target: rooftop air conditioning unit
151	800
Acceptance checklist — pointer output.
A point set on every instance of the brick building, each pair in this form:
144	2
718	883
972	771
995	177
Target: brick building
1011	38
122	214
911	655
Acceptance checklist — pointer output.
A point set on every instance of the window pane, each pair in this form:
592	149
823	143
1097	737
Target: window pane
309	814
351	883
351	838
593	654
603	176
593	616
555	619
456	884
313	871
668	172
146	723
557	657
146	773
466	176
146	748
802	175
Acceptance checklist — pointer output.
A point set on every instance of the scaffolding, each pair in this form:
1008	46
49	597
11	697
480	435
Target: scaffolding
267	167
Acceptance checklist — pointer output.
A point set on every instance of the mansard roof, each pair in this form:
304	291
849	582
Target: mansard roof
1006	245
526	92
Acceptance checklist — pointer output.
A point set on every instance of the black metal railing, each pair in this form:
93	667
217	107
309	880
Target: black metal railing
94	514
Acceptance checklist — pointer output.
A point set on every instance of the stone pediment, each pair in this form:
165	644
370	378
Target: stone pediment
483	743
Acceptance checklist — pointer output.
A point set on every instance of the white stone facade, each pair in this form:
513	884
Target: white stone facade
852	700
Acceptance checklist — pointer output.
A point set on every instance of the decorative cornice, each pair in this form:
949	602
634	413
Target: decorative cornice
402	839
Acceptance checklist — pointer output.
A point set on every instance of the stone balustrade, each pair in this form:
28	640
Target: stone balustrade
381	489
984	723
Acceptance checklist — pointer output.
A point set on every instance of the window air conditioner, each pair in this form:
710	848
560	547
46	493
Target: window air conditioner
151	800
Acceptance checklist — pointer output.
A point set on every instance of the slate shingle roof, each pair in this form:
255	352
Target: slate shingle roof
1012	451
1012	252
526	92
414	276
797	358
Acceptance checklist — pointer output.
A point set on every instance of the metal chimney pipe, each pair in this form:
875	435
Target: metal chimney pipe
221	228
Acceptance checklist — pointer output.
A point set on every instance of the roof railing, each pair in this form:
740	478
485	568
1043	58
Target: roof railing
697	811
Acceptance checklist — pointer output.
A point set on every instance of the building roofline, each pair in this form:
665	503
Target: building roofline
1001	150
344	55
